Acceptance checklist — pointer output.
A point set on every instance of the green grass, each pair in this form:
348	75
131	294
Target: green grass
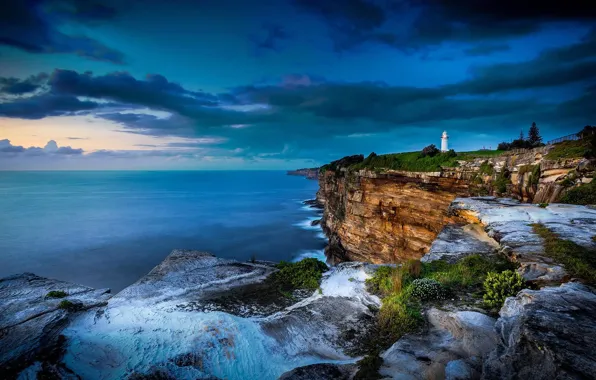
304	274
582	195
400	311
568	149
479	154
56	294
412	161
578	261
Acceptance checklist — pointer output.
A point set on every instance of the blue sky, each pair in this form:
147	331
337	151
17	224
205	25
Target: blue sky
277	84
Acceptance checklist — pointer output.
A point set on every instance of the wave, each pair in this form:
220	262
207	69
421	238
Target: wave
306	224
315	254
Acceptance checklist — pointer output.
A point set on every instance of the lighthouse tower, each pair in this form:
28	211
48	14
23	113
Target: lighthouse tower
444	142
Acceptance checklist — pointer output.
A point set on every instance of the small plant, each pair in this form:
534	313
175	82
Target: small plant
543	205
304	274
69	306
351	279
582	195
320	291
56	294
380	282
499	286
426	289
397	317
368	367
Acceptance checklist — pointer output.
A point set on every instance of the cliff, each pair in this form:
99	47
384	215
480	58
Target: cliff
309	173
383	216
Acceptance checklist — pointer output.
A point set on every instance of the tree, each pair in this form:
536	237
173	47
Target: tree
430	151
534	137
521	135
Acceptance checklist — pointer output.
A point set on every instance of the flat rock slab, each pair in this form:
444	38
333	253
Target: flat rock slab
509	223
30	321
458	241
546	334
147	328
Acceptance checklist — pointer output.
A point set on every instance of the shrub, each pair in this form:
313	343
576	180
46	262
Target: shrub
70	306
430	151
397	317
486	168
543	205
368	367
56	294
499	286
380	283
426	289
582	195
304	274
502	181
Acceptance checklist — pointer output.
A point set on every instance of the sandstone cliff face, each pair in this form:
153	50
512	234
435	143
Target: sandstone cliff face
384	218
390	216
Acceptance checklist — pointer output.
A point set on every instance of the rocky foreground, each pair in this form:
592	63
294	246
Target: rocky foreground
196	316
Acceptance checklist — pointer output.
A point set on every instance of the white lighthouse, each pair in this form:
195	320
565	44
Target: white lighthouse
444	142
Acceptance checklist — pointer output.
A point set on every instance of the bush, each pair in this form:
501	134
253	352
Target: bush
499	286
582	195
368	367
430	151
56	294
426	289
304	274
543	205
380	283
70	306
397	317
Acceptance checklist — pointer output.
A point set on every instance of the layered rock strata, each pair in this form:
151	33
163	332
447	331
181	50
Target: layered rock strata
388	216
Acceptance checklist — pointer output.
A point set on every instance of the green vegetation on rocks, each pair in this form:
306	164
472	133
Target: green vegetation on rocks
406	287
70	306
56	294
582	195
499	286
568	149
578	261
304	274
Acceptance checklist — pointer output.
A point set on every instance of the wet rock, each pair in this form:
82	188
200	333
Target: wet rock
315	222
453	342
546	334
154	323
31	322
321	372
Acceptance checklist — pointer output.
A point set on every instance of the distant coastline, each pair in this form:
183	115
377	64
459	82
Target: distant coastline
309	173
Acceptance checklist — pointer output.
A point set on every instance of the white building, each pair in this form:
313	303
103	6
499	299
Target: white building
444	142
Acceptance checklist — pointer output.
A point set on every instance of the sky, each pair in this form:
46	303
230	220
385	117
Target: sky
281	84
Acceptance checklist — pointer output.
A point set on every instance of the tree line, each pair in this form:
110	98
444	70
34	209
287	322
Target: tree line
532	141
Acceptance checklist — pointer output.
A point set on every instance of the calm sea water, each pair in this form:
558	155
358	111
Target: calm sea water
107	229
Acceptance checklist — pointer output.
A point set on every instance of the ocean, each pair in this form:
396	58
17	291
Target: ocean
109	228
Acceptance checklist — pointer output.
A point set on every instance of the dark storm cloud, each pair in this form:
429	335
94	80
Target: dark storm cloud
411	25
271	37
486	49
553	67
15	86
44	105
34	26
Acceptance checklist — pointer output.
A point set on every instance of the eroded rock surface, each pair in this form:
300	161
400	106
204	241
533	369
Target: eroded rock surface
31	322
451	347
147	327
510	223
456	242
546	334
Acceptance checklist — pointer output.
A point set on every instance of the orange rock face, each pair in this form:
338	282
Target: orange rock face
384	218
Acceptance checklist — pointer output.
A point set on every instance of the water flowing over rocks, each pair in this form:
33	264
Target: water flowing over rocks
31	323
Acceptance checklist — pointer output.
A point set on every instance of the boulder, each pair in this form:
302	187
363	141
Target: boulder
546	334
